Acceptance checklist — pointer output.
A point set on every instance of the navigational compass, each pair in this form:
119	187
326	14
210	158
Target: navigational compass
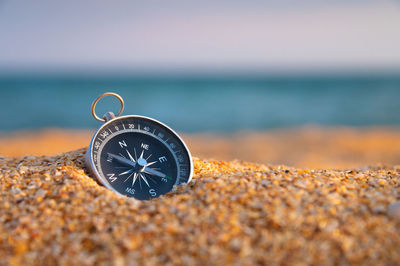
137	156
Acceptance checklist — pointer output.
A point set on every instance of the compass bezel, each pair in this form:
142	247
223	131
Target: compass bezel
90	164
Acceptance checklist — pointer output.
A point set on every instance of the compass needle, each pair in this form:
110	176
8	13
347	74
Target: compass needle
130	156
153	172
151	163
128	177
134	179
121	159
144	179
152	180
126	172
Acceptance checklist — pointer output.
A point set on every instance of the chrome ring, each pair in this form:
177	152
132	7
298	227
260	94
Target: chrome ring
93	109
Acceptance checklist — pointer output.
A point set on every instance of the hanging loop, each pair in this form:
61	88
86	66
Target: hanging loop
93	109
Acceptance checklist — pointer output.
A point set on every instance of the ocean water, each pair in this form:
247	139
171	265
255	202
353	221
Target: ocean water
202	104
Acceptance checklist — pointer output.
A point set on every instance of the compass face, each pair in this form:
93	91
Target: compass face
139	157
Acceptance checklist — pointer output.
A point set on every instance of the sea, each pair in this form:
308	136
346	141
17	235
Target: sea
221	104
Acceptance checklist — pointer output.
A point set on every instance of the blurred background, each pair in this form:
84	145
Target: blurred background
306	83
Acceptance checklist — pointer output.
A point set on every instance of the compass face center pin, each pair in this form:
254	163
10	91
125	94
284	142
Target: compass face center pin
141	163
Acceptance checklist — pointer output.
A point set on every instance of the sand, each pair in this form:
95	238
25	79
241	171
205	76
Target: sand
305	147
234	212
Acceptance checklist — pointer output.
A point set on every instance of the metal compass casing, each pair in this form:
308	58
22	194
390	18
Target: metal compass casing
137	156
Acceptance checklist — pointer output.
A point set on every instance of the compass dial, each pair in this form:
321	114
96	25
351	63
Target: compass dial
139	157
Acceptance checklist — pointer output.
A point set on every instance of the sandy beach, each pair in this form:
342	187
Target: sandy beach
306	147
241	213
233	211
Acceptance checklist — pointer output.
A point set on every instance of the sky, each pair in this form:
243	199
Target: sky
281	35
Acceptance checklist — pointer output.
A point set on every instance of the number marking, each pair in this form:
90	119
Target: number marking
183	172
97	145
104	134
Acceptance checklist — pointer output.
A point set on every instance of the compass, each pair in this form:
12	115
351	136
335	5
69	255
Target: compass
137	156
